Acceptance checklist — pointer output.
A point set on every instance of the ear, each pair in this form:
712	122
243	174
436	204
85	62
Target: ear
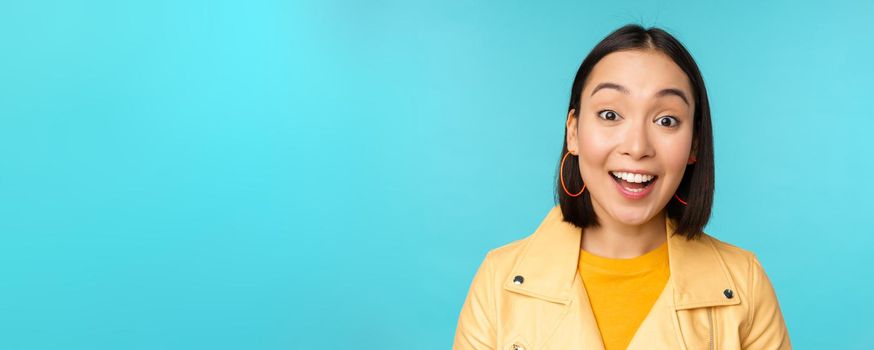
571	130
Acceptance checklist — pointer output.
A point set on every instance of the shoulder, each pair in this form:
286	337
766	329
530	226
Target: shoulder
742	264
732	254
504	257
738	260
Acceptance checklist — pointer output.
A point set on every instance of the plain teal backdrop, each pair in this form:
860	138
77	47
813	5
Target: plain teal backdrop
327	175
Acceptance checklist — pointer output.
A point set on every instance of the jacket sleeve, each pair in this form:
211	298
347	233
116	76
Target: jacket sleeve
766	329
476	323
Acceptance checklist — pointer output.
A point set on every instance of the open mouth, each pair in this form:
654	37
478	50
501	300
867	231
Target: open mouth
634	183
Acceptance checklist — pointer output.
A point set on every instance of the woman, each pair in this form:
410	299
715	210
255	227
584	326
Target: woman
622	262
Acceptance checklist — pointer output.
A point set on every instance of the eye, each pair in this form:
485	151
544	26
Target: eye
665	121
607	115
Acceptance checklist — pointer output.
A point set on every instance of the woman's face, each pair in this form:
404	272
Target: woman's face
636	116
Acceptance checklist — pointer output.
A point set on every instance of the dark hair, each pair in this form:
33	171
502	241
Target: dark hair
698	182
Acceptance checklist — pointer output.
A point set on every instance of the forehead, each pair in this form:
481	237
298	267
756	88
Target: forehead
643	72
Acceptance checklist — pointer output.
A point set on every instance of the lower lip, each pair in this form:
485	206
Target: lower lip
633	195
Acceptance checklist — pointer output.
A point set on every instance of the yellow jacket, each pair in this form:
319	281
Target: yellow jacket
528	295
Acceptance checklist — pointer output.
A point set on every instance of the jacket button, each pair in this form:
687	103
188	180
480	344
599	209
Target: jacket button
518	280
728	293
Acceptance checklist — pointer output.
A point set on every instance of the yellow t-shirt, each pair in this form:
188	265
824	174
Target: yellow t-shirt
622	291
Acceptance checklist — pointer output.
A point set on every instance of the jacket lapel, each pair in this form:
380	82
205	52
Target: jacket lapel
651	333
549	267
698	272
549	263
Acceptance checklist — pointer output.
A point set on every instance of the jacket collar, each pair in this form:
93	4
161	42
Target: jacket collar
549	263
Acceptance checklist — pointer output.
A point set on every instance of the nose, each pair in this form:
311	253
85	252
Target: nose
636	141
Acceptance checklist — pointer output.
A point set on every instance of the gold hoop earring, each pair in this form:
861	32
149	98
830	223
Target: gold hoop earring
561	178
681	201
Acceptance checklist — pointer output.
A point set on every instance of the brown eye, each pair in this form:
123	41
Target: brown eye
667	121
607	114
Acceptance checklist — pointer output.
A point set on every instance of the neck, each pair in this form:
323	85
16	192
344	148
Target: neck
614	239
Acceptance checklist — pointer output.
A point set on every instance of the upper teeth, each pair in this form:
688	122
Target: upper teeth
632	177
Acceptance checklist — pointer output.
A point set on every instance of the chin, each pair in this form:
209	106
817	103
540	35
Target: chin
633	217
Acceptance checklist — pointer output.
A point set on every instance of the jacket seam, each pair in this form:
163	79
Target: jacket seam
493	303
751	307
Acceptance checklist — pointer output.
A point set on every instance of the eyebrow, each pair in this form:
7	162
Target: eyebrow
664	92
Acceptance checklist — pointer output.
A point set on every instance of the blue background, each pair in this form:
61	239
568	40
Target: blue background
322	174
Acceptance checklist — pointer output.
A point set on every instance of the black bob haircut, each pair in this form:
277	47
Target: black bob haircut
697	185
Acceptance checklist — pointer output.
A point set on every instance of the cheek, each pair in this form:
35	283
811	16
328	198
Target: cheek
594	149
590	136
674	154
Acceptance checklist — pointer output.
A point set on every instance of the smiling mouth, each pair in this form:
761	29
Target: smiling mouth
633	186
